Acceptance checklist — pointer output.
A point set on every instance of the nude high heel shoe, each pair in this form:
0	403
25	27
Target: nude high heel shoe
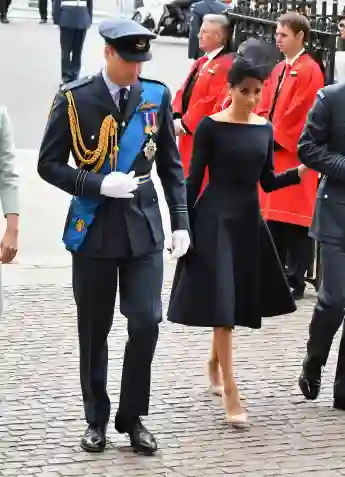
236	414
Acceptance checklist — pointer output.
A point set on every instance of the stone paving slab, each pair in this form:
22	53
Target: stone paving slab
41	399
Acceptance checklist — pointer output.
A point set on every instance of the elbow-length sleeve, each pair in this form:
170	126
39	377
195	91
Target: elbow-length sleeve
271	181
197	168
8	174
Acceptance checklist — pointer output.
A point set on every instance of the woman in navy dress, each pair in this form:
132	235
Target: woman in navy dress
232	276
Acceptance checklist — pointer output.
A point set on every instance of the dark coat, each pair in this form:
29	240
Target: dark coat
232	275
199	10
74	14
122	227
322	148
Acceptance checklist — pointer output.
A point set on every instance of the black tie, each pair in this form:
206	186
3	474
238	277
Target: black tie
123	99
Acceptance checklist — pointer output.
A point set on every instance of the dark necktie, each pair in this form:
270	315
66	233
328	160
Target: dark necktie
122	99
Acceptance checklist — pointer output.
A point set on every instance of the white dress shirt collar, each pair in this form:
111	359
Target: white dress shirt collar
112	87
291	62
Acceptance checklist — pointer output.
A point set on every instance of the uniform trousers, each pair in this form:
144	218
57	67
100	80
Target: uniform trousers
295	250
328	316
95	284
43	9
4	6
72	41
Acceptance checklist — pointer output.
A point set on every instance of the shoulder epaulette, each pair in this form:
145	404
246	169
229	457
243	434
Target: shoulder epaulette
77	83
150	80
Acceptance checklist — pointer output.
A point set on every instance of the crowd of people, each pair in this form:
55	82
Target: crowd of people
238	151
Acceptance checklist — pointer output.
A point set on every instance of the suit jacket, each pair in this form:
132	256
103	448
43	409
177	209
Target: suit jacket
122	227
78	16
322	148
8	174
199	10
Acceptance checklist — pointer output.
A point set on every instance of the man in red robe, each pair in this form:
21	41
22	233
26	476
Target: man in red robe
286	99
197	96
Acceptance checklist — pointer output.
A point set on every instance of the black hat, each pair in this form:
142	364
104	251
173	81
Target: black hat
259	52
131	40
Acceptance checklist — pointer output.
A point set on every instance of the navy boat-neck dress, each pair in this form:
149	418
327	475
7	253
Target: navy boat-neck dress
231	275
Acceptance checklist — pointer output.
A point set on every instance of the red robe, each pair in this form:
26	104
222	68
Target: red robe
298	90
223	99
202	99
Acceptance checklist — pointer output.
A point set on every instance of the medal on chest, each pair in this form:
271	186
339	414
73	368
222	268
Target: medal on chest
150	148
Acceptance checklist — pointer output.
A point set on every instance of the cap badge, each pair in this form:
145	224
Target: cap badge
141	45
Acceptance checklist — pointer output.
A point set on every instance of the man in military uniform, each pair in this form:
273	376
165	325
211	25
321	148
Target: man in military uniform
43	9
74	17
4	6
116	124
322	148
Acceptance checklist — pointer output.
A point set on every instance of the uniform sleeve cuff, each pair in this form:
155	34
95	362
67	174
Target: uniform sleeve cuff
88	184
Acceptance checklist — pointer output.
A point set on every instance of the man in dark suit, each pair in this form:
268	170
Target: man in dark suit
322	148
199	10
74	17
116	125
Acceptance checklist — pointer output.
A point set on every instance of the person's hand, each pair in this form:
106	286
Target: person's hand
9	246
180	243
119	185
302	169
179	129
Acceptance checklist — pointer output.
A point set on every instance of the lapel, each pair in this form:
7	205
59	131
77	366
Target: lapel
101	92
133	101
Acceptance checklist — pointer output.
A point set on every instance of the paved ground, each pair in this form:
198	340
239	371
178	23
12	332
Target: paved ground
42	403
39	384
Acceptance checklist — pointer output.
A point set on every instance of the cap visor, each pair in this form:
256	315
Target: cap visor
133	58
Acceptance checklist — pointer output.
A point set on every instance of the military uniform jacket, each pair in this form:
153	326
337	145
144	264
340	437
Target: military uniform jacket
122	227
74	14
322	148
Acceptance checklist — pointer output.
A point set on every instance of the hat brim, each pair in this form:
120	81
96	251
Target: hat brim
134	57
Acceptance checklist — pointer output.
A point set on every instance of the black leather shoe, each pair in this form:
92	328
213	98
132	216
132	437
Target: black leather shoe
339	404
142	441
94	439
310	384
297	294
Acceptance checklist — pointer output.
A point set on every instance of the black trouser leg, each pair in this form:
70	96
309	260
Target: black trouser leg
328	314
300	249
43	9
278	232
94	286
141	282
77	48
66	41
4	6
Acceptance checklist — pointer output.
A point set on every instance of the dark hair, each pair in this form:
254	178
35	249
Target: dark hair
243	68
296	22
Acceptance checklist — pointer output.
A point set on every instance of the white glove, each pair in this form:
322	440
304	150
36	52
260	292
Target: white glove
180	243
179	129
119	185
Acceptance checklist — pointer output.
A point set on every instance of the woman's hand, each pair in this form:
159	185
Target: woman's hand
179	129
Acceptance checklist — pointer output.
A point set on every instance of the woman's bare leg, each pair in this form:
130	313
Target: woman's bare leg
214	371
235	412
